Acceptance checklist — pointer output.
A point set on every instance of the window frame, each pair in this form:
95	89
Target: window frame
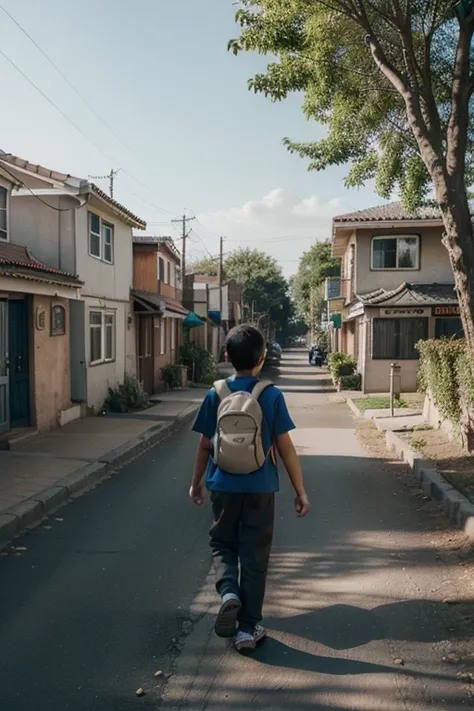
101	235
396	353
163	325
397	237
102	328
7	215
173	334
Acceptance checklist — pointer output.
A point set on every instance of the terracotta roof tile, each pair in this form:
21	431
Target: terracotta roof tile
18	256
394	211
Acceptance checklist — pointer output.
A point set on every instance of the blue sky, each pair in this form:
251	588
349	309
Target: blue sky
184	124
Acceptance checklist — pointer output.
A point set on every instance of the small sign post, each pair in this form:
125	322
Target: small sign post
395	385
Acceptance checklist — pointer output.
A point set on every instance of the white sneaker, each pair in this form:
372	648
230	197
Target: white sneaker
246	641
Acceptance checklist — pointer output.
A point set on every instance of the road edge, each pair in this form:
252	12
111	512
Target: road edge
30	512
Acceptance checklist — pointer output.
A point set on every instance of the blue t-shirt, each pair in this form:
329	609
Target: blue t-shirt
276	421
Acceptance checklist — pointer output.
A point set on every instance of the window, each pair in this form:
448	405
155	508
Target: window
3	213
102	337
396	252
168	275
395	338
101	239
163	336
449	328
161	269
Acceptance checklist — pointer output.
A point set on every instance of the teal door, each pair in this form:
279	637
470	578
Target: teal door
19	366
4	378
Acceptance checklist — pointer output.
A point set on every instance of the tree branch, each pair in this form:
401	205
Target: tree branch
458	123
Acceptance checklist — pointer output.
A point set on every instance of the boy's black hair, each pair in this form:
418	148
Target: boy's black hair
245	346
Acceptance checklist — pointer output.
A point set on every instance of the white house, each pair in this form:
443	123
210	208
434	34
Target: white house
72	225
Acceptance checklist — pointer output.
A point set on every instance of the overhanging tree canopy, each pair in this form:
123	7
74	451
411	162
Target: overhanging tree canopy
393	81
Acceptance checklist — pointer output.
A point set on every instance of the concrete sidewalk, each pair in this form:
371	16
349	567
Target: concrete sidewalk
43	472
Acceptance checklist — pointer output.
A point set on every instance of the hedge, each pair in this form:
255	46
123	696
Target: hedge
447	373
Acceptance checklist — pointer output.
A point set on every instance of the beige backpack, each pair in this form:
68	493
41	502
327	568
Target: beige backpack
238	445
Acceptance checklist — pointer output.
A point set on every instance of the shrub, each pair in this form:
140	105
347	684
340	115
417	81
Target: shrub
199	362
341	364
171	375
351	382
126	397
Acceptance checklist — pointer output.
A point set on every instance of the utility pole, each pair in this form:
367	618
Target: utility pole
220	279
184	236
110	177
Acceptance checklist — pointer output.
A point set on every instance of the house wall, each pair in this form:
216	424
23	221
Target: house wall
48	234
145	269
104	375
434	261
50	384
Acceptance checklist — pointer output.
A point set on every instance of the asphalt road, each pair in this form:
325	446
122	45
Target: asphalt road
119	589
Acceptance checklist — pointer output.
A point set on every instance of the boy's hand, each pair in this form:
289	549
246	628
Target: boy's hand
197	494
302	505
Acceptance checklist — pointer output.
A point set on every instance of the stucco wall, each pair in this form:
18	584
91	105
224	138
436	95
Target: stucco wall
51	385
434	262
112	281
104	375
48	234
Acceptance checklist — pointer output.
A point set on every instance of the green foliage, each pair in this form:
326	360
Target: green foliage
126	397
206	266
262	281
171	375
378	403
418	443
374	73
314	267
341	364
447	373
351	382
199	362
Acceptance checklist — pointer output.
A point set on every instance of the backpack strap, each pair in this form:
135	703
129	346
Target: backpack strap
222	389
260	387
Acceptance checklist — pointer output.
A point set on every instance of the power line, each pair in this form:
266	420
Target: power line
204	244
61	74
51	207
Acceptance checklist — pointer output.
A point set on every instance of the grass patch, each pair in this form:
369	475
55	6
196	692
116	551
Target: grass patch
378	403
418	443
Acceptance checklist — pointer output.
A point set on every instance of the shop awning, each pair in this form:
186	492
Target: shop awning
192	321
215	317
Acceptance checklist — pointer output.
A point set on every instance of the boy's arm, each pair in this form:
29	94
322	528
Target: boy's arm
287	452
201	460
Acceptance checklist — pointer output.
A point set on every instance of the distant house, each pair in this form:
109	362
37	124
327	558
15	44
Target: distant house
158	308
397	288
73	226
36	301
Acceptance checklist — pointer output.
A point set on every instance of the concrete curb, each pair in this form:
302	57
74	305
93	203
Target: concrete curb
353	407
31	512
456	505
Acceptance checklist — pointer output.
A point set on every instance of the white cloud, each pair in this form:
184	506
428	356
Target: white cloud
281	224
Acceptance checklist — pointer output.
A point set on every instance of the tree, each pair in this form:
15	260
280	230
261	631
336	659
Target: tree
263	285
208	266
307	285
393	81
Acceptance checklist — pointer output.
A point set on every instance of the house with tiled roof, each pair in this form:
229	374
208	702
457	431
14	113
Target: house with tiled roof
396	288
63	231
158	307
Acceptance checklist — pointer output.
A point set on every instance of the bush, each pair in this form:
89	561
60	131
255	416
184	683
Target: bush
127	397
171	375
447	374
199	362
351	382
341	364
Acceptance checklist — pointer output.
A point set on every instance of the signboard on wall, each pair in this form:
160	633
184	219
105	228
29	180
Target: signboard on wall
413	311
449	311
333	288
335	306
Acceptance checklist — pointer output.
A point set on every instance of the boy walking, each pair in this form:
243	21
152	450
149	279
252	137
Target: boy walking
241	422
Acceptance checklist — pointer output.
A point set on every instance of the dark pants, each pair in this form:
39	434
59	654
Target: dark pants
242	533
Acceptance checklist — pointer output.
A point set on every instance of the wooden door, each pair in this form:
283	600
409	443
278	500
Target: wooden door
19	363
145	353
